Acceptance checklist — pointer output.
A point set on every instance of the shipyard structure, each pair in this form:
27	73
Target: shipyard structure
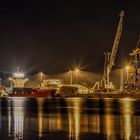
104	88
133	81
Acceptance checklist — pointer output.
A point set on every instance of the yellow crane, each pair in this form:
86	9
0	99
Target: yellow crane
110	59
133	82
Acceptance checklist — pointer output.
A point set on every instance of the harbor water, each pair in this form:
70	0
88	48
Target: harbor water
69	119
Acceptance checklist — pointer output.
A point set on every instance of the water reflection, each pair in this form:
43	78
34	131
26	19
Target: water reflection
127	110
40	117
108	119
74	117
9	117
69	119
0	115
18	117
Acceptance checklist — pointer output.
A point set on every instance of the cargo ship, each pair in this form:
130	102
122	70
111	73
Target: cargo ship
46	89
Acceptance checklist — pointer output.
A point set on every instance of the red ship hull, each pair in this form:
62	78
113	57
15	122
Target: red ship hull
35	93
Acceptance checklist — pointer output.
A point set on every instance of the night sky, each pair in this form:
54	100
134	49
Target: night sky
52	35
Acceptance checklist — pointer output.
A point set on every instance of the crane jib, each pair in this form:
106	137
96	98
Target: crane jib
112	56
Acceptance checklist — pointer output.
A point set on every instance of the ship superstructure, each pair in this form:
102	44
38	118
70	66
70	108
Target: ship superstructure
18	79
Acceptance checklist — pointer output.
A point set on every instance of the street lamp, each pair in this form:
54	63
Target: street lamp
77	71
71	77
127	72
41	78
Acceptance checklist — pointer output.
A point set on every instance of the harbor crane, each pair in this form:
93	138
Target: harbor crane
105	83
133	82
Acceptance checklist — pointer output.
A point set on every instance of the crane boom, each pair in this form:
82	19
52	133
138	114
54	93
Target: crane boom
110	58
112	55
137	50
116	42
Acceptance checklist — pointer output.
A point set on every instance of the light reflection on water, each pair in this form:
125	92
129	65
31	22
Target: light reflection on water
69	119
40	117
127	109
16	118
74	117
0	116
109	120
